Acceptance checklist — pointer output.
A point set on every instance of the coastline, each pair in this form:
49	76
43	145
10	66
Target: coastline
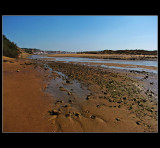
108	56
116	102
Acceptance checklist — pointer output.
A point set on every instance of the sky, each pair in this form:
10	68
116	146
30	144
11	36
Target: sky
82	33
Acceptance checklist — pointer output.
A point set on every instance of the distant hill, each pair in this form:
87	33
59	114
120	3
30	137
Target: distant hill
10	49
127	52
30	50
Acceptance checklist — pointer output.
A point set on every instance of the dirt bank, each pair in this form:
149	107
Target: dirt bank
24	103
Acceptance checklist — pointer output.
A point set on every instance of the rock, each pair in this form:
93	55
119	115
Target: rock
88	97
111	81
70	101
54	112
138	122
93	116
65	106
5	61
144	100
105	93
77	114
67	81
69	93
130	107
98	106
27	63
119	106
62	88
118	119
119	101
110	100
145	77
151	83
59	101
67	115
124	98
87	111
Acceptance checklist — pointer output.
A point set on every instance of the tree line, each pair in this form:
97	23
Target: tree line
126	51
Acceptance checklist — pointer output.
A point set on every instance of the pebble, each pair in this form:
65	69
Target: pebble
77	114
151	83
67	81
105	93
59	101
117	119
70	101
67	115
54	112
145	77
69	93
124	98
98	106
138	122
88	97
93	116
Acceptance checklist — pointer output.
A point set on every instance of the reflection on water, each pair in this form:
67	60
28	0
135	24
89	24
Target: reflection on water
89	60
133	62
131	68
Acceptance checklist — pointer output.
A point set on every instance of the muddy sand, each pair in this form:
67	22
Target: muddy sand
24	104
68	97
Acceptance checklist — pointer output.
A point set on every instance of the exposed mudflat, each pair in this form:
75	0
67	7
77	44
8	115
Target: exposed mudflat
94	99
49	96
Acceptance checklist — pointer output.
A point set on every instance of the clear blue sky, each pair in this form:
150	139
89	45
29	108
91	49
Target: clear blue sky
80	33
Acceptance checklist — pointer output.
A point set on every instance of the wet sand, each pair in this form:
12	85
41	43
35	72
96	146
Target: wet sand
116	102
121	65
25	105
46	98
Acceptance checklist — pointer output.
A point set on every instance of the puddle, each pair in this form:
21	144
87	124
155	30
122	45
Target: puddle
65	89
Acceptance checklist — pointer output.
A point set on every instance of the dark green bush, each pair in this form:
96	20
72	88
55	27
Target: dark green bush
10	49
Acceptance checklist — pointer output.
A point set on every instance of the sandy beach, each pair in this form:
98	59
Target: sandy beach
24	103
41	96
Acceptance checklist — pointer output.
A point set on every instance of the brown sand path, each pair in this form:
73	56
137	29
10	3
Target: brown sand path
24	103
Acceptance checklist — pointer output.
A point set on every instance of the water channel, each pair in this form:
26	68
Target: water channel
101	62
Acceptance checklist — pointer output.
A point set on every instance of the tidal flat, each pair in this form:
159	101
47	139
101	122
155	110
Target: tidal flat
96	99
55	96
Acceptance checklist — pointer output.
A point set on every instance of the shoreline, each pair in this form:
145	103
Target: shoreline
109	56
113	101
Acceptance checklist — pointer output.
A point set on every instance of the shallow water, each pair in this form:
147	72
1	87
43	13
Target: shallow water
89	60
61	90
133	62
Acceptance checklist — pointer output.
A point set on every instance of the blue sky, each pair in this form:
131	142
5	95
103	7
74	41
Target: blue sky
80	33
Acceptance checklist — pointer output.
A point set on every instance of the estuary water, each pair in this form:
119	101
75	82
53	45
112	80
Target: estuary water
103	61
